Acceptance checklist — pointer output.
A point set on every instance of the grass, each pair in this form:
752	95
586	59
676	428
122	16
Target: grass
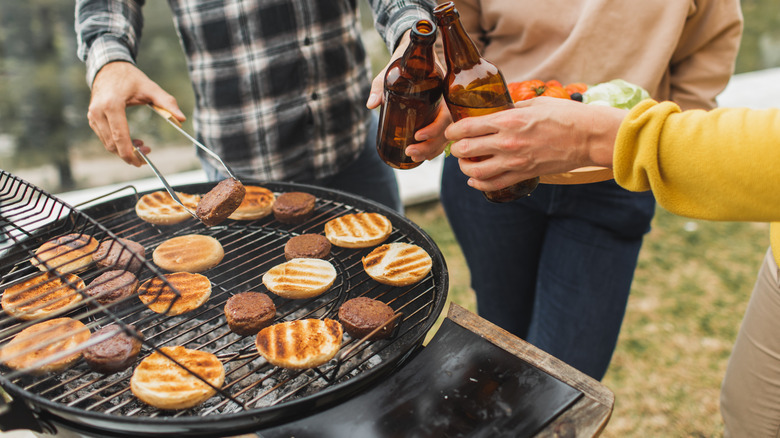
690	291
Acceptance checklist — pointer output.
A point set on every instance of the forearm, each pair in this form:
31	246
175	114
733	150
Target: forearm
107	30
718	165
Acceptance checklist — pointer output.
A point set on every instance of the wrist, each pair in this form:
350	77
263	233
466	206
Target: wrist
601	142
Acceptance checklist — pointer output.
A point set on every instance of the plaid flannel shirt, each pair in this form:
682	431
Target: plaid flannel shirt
280	85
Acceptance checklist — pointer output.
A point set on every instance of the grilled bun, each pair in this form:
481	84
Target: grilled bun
188	253
195	290
160	209
300	278
397	264
68	253
162	383
43	296
358	230
258	203
300	344
37	343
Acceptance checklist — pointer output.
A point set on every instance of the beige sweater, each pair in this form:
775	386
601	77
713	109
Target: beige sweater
680	50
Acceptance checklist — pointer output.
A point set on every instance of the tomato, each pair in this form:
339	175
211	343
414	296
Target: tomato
576	87
526	89
533	88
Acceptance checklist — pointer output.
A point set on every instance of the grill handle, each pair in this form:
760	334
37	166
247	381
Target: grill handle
15	414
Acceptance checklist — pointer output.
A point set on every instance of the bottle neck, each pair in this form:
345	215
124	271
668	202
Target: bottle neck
460	51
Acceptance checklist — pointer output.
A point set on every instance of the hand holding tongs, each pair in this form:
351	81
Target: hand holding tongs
165	114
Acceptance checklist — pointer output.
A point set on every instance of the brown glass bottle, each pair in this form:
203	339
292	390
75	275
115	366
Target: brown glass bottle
413	88
473	86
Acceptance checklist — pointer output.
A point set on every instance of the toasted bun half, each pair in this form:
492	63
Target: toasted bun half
68	253
160	209
43	296
397	264
300	344
188	253
300	278
258	203
195	290
358	230
162	383
32	349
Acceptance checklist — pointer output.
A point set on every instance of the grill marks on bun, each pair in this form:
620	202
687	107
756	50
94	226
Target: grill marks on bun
32	348
397	264
160	209
358	230
162	383
195	290
43	296
300	278
300	344
189	253
68	253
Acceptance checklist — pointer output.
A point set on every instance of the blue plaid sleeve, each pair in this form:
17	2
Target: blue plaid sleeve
394	17
107	30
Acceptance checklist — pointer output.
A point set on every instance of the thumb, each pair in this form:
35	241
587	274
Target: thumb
377	88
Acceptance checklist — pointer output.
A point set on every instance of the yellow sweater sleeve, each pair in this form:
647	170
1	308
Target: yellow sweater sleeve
722	164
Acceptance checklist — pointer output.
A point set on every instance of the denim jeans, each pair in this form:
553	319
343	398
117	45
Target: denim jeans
368	176
554	268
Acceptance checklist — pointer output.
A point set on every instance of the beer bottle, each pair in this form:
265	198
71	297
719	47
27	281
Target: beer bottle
473	86
413	87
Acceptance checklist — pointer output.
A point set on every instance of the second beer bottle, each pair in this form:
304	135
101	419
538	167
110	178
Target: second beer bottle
474	87
413	88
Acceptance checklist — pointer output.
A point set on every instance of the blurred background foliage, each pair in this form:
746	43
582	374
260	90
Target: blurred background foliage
44	96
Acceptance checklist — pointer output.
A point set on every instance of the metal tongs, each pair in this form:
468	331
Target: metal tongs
165	114
162	179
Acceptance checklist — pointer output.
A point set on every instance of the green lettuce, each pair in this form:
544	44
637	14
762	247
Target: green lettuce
617	93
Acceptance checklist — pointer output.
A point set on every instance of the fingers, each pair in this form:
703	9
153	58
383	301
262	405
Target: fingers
117	86
431	137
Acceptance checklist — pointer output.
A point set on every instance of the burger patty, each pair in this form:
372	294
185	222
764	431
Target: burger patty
112	286
294	207
312	246
216	205
249	312
360	316
115	353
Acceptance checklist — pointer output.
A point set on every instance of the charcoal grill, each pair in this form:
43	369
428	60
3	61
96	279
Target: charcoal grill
472	379
255	393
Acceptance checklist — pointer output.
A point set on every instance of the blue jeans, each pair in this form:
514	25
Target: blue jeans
554	268
368	176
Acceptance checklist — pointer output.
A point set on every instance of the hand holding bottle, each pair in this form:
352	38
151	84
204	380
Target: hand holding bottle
427	141
540	136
